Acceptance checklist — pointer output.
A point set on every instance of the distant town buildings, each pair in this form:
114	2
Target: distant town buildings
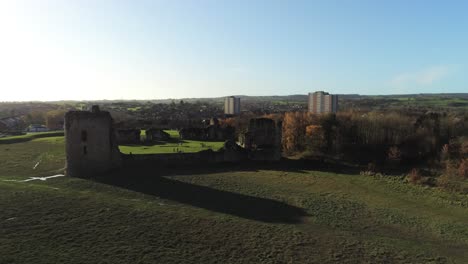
322	102
11	124
231	105
37	128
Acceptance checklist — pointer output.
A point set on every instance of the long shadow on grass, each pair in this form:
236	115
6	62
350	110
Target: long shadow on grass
284	165
156	143
245	206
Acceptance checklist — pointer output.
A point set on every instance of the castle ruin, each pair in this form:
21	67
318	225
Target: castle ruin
92	146
263	139
128	136
90	143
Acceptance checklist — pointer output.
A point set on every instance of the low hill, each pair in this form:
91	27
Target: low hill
291	212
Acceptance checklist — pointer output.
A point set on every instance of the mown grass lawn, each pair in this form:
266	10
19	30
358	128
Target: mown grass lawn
223	213
174	145
185	146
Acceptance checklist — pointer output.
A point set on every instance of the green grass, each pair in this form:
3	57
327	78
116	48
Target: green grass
133	109
173	133
30	136
19	159
431	101
231	214
186	146
172	146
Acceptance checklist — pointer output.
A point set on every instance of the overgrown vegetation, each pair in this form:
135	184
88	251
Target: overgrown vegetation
389	141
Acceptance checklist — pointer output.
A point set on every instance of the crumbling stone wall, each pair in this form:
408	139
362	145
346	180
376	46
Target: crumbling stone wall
92	149
154	134
231	152
128	136
211	132
263	139
91	146
192	133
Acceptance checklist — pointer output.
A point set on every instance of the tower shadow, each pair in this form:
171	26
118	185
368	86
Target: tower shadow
249	207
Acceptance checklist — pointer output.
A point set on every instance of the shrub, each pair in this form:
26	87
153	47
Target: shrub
372	167
415	177
463	169
453	176
394	153
444	153
464	149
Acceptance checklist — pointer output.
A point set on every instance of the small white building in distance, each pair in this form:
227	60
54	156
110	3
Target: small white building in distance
322	102
231	105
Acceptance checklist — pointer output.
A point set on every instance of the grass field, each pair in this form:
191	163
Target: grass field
185	146
428	101
440	102
30	136
256	213
172	146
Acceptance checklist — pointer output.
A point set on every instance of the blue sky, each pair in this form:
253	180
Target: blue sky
53	50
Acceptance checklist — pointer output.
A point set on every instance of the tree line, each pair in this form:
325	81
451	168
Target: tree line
373	136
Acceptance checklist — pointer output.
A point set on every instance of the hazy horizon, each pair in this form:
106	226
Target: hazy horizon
218	97
155	50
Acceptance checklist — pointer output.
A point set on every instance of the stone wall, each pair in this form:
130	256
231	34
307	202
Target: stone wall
128	136
263	139
202	157
211	132
92	149
154	134
91	146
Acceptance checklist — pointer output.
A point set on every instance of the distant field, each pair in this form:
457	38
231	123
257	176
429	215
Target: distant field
30	136
137	108
423	101
440	102
394	102
173	146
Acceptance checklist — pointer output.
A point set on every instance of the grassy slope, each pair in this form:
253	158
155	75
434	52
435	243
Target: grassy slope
30	136
18	160
227	214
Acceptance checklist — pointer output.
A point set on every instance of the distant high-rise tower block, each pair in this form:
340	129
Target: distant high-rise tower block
322	102
231	105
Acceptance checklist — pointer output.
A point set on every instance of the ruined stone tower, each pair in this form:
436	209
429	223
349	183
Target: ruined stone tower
90	144
263	139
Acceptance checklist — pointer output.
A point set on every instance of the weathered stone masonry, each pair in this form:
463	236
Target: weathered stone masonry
263	139
92	148
90	144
